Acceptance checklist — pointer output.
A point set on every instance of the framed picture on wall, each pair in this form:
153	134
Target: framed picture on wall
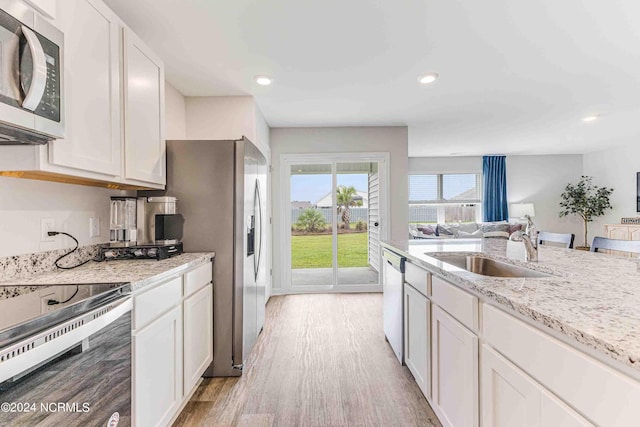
638	192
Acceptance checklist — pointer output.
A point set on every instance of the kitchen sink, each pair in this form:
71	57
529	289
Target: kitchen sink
487	266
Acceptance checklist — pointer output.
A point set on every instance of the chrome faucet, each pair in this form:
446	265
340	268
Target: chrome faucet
530	240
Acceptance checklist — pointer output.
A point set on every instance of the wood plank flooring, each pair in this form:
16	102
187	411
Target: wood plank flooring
321	360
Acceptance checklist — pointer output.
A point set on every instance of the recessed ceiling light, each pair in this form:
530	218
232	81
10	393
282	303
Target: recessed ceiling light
428	78
263	80
591	118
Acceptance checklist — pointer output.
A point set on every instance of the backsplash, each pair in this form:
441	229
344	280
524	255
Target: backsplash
12	267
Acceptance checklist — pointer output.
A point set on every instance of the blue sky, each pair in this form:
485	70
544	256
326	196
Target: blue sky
313	187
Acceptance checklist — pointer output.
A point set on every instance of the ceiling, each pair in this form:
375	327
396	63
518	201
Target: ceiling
515	77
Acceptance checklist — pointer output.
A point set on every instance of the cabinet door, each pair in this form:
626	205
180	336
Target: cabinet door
46	7
198	336
620	233
417	334
92	89
144	112
157	370
509	396
455	371
557	413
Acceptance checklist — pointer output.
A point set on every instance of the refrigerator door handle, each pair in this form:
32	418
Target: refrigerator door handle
258	208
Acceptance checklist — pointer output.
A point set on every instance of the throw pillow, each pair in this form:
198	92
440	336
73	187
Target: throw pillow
447	230
429	230
515	227
468	227
495	229
476	234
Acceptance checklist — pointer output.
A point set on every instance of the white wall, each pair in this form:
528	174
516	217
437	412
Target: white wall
343	140
227	117
536	179
446	164
615	168
175	113
540	180
23	203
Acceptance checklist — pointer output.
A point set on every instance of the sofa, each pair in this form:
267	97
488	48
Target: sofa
467	230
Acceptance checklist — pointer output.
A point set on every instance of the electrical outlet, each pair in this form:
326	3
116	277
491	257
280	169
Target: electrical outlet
94	227
46	225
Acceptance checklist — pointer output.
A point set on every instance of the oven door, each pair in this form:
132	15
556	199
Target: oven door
30	71
75	373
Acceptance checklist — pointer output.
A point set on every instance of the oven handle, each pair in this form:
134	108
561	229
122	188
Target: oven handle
54	341
39	78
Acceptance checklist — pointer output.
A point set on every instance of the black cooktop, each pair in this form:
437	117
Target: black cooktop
38	307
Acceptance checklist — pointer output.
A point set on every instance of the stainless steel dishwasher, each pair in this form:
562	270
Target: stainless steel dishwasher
393	313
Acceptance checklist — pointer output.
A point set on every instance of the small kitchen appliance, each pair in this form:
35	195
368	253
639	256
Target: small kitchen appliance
123	226
143	228
159	222
31	84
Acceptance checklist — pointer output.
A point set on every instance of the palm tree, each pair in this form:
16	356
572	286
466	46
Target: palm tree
344	197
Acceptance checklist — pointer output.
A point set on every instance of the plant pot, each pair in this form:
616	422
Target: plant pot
583	248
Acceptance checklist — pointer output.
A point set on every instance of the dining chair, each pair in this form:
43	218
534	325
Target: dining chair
565	239
632	246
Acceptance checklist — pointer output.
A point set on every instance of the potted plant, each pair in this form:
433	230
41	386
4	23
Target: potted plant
586	200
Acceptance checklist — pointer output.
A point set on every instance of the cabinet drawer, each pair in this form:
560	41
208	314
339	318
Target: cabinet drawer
418	278
458	303
597	391
153	303
198	278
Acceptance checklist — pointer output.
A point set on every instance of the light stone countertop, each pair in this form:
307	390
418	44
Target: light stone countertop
591	298
139	273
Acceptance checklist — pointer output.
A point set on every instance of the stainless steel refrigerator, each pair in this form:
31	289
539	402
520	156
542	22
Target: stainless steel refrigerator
221	190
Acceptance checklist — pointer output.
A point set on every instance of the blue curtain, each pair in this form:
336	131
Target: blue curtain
494	177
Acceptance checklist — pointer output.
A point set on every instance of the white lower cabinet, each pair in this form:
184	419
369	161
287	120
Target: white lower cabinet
455	371
557	413
157	382
417	333
172	344
198	335
509	397
512	398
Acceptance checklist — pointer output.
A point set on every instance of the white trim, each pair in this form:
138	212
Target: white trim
286	161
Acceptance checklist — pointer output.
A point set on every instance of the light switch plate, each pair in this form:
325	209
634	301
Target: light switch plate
94	227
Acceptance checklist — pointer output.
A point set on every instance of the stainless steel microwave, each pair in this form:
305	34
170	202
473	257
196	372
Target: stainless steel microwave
31	80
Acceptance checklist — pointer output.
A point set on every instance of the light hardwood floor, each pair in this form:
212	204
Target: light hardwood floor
321	360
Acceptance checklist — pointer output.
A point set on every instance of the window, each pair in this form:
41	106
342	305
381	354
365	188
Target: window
442	198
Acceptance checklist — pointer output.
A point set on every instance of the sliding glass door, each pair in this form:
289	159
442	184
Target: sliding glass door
311	226
358	223
334	225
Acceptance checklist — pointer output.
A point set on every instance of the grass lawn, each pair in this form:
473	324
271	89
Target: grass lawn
315	251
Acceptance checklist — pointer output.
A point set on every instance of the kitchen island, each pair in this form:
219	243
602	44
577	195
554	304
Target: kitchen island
561	349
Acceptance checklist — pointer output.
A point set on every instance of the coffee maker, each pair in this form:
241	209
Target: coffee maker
143	228
123	228
159	222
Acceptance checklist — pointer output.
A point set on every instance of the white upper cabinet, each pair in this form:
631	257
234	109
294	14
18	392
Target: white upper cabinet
45	7
144	112
92	89
114	107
